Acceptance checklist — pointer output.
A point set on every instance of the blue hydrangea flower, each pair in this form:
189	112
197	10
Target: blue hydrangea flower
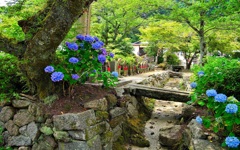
80	37
94	71
75	76
104	52
96	45
111	55
49	69
201	73
89	39
73	60
95	38
232	141
57	76
72	46
193	85
101	58
199	119
220	98
81	45
231	108
100	42
211	93
115	74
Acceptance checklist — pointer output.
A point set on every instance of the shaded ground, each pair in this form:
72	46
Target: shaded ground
80	95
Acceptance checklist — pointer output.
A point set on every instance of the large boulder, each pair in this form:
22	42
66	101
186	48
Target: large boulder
170	136
100	104
7	113
19	141
187	111
12	128
47	143
112	100
70	121
33	131
20	103
23	117
196	130
117	111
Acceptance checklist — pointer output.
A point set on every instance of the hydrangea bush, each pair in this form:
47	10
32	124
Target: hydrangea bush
82	59
212	90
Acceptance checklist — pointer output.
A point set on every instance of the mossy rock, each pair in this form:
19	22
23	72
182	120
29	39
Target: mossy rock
112	100
119	144
140	141
102	115
46	130
116	121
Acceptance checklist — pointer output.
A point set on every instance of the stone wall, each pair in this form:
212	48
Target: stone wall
26	128
156	80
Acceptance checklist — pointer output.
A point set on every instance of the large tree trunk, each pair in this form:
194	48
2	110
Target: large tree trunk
48	29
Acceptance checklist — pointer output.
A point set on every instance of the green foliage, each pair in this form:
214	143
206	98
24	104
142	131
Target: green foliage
172	58
87	65
10	16
9	76
203	17
222	75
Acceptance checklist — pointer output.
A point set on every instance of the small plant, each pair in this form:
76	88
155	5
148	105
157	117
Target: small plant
209	90
10	80
83	59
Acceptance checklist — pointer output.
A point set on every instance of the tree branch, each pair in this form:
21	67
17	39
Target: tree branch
8	46
194	28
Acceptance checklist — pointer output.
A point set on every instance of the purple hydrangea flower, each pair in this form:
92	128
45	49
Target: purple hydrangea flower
101	58
201	73
232	141
80	37
199	119
111	55
96	45
193	85
115	74
220	98
72	46
73	60
57	76
211	92
104	52
75	76
231	108
67	43
89	39
95	38
49	69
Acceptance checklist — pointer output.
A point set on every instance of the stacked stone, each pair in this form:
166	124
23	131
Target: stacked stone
20	122
97	128
156	80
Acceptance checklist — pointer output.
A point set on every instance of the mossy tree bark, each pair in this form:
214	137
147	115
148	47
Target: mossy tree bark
44	32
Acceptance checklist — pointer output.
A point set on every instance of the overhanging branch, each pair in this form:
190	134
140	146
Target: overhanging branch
8	46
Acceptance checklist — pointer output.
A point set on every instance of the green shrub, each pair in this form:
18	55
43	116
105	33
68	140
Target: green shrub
172	58
221	74
9	76
216	87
